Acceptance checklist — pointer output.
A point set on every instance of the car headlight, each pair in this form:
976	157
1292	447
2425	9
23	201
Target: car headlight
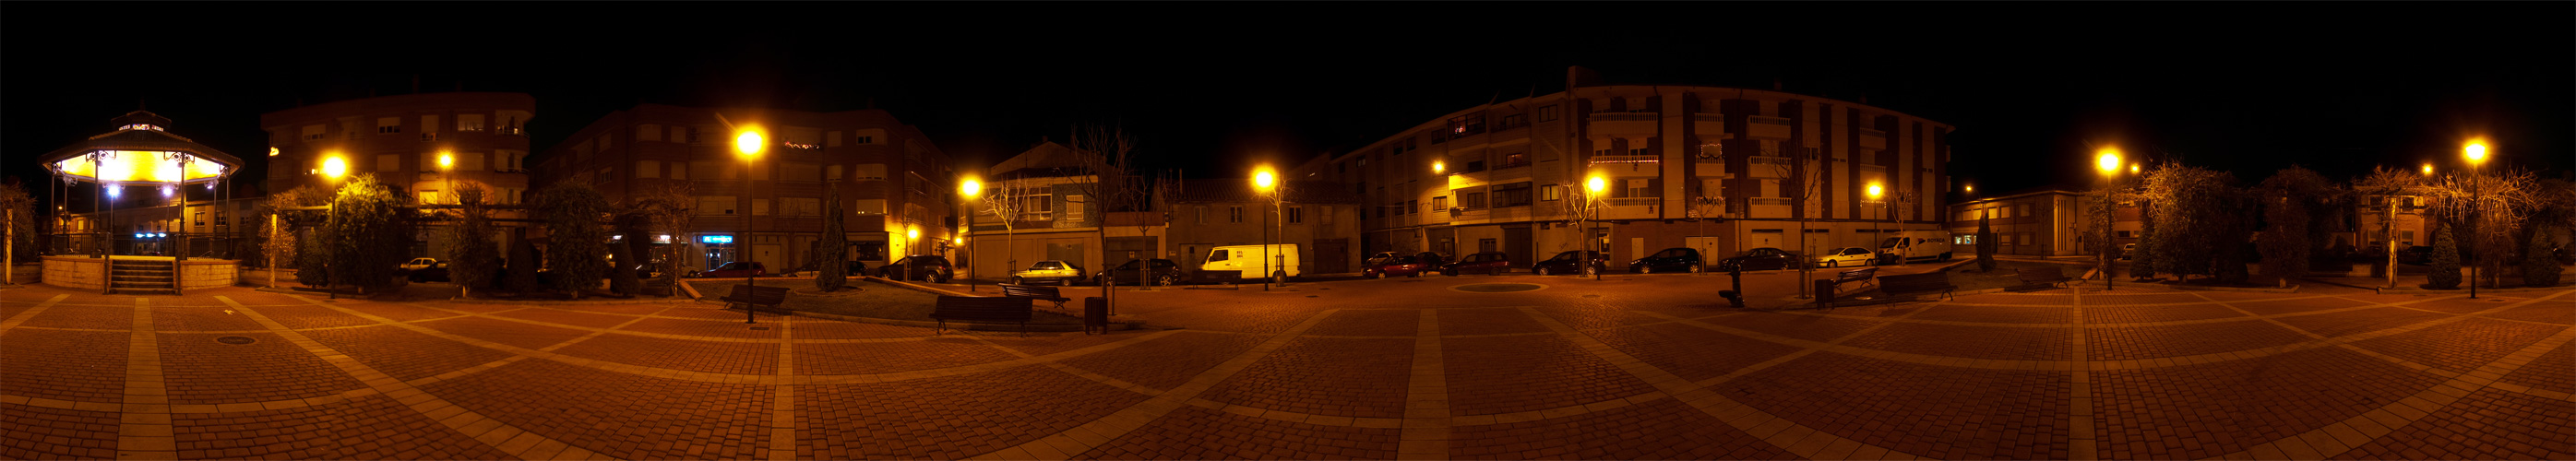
1637	262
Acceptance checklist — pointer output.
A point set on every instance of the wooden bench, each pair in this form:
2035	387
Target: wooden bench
1048	294
1867	276
1914	284
981	310
754	297
2036	279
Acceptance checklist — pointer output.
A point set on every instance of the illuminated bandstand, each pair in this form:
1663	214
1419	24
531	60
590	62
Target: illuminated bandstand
93	251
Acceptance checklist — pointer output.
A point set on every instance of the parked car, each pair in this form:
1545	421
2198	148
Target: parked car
932	268
1164	272
1759	259
1488	263
1847	256
419	263
2416	255
733	269
1247	261
1373	258
435	272
1573	262
1435	259
1055	271
1397	266
1668	260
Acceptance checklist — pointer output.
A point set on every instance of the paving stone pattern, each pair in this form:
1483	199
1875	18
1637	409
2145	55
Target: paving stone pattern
1627	367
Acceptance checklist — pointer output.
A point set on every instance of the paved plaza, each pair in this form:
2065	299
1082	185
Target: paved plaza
1628	367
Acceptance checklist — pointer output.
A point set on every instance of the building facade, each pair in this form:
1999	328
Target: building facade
2043	223
1054	217
1321	218
402	140
1718	169
894	184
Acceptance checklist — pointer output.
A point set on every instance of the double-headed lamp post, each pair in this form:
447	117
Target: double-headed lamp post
966	190
2476	153
1592	192
2108	161
1266	183
747	145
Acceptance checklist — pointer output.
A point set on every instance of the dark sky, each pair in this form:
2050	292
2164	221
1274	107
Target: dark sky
1212	88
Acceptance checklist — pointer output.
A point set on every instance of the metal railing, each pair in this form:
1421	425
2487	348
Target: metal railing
1770	201
1870	132
1768	120
1636	201
1623	117
1716	118
1599	159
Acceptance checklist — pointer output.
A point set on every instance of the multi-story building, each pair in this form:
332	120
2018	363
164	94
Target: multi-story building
2042	223
894	182
1321	218
1057	216
402	140
1718	169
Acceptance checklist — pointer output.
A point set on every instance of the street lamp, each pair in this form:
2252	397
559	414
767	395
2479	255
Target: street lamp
2108	161
747	145
2476	152
1267	184
1875	192
1592	187
332	168
966	190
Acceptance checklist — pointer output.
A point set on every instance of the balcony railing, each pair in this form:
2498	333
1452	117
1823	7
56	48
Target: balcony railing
1626	159
1636	201
1769	201
1709	118
1870	132
1623	117
1768	120
1767	160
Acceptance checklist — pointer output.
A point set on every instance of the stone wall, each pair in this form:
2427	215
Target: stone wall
74	272
211	273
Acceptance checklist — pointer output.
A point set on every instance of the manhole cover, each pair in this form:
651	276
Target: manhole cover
760	328
236	340
1497	287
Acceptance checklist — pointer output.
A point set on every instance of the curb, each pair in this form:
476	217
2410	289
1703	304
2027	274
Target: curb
2291	289
601	302
1129	323
924	289
1890	300
2481	290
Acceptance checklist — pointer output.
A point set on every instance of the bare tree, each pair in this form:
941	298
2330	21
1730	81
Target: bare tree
1003	200
666	206
2495	203
1107	154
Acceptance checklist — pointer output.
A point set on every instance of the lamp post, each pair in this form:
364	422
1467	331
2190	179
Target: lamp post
2476	152
1265	183
1592	192
1875	191
2108	161
332	168
966	190
748	145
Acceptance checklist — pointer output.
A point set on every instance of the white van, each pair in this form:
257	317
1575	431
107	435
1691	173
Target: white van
1918	245
1246	261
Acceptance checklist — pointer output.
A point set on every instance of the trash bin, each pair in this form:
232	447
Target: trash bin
1095	314
1824	292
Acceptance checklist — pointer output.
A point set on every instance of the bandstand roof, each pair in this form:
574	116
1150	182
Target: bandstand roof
139	152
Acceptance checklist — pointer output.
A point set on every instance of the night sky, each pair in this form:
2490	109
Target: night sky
1212	88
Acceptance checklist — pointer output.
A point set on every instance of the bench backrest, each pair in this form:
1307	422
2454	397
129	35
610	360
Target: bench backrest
1915	282
988	309
1029	291
763	295
1856	274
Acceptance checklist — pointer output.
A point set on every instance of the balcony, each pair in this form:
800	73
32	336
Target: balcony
1628	165
1767	207
1873	139
1623	123
1767	166
1712	126
1767	127
1632	208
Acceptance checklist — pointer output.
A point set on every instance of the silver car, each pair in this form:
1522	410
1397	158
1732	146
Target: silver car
1060	272
1847	256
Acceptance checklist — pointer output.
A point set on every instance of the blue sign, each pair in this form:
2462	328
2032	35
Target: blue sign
715	239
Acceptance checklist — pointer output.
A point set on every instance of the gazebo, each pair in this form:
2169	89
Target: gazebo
138	154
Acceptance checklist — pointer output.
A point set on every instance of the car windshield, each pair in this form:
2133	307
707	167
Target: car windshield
1403	260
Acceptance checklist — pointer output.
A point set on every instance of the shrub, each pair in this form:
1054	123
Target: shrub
370	233
576	239
472	259
312	260
2446	261
2539	265
522	273
1985	243
621	278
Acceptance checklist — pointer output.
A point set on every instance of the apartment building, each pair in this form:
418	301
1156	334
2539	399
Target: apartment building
402	140
1718	169
1053	216
1321	218
895	185
2039	223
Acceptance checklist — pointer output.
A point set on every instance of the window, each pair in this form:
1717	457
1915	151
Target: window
1552	192
648	132
428	124
793	171
1484	246
1770	148
1325	212
426	197
1471	200
1203	214
1515	159
312	132
863	140
2024	210
832	139
1475	166
469	122
648	168
388	125
716	206
1547	113
1637	151
760	206
1642	188
1234	214
1413	207
711	169
1440	203
1073	207
801	206
1511	121
832	172
390	162
1296	214
1512	195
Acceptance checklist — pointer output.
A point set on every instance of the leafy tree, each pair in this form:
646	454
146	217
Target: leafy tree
2142	263
1985	243
2446	261
279	209
576	241
2290	198
368	233
2539	267
313	259
2199	211
472	259
832	250
20	213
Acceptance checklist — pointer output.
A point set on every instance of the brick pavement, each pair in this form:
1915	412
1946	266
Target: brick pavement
1630	367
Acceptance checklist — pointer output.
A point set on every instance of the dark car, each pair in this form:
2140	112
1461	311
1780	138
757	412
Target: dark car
933	268
733	269
2415	255
1373	258
1165	272
1397	266
1435	259
1571	262
1669	260
1759	259
1488	263
434	273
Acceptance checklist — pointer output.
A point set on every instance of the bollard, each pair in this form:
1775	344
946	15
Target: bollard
1825	292
1735	276
1095	314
